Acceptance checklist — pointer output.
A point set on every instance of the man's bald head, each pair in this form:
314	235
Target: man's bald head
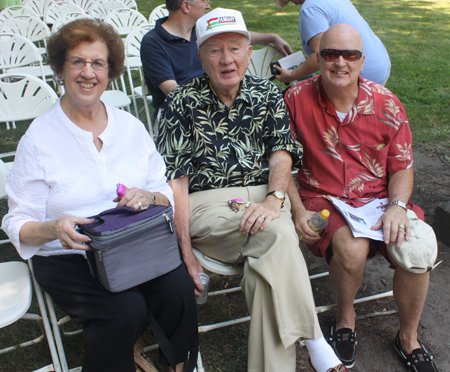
341	36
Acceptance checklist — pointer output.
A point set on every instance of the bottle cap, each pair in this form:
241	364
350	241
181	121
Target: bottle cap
121	190
325	214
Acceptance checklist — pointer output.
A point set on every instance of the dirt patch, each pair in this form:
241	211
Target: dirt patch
225	349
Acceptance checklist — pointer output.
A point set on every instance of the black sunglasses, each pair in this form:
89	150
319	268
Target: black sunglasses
349	55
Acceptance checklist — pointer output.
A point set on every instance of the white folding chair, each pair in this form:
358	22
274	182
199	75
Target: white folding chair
16	289
38	6
15	10
57	9
84	4
67	18
23	97
125	20
133	63
31	27
260	61
159	12
101	8
19	55
131	4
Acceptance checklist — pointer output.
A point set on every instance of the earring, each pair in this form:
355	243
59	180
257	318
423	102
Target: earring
60	80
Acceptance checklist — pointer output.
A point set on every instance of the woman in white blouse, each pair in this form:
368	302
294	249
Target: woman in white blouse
67	167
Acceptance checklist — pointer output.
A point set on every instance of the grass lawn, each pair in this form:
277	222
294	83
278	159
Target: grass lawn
416	34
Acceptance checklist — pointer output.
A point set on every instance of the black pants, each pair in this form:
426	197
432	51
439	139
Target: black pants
113	322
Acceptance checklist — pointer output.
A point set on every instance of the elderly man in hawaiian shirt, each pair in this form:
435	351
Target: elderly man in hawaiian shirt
224	136
357	147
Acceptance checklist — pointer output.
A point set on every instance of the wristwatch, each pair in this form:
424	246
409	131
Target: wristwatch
400	204
277	194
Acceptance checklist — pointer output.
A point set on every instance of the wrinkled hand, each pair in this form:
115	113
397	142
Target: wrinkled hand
258	216
285	76
194	268
132	198
64	229
390	221
282	46
305	233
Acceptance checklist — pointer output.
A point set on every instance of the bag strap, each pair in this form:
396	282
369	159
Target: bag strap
167	348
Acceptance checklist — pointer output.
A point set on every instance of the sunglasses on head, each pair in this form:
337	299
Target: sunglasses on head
349	55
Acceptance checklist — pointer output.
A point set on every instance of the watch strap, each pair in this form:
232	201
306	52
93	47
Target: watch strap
276	194
400	204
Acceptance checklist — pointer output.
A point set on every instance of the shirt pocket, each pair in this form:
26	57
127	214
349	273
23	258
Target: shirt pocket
374	158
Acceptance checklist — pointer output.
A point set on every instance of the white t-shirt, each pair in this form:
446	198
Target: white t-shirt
317	16
341	115
58	171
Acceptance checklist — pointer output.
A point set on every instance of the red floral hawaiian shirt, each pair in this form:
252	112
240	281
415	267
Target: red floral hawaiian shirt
349	159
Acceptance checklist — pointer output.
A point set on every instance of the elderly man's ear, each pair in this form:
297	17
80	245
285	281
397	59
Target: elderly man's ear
250	51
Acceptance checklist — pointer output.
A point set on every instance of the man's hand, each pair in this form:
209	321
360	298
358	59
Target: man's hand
392	222
304	232
194	269
285	75
282	46
258	216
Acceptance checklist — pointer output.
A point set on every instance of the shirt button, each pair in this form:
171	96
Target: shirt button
233	140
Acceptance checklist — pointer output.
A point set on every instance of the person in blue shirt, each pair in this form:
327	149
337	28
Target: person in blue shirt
317	16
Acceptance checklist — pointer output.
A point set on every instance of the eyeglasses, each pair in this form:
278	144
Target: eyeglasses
349	55
79	63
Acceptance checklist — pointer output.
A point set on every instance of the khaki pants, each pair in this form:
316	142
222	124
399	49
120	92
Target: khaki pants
276	283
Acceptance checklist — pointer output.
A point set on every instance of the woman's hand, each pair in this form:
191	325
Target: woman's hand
64	229
135	198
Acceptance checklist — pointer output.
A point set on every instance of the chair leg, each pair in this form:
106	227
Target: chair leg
57	333
47	328
200	363
149	119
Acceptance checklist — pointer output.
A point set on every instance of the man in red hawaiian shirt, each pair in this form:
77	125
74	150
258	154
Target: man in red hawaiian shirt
357	147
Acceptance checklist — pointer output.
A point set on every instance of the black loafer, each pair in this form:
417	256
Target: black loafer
418	361
343	342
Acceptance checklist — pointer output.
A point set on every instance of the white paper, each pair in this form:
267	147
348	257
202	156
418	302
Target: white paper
292	61
363	218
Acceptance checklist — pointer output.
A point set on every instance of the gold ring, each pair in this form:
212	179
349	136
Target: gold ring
301	237
261	216
139	205
401	227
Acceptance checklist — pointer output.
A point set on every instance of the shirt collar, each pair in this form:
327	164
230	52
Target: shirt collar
364	104
208	96
167	36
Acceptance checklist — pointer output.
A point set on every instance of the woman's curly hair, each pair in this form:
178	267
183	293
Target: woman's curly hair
75	32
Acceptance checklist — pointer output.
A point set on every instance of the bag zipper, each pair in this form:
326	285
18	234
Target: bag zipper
169	221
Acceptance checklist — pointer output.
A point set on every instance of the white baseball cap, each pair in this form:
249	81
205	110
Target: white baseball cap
218	21
419	253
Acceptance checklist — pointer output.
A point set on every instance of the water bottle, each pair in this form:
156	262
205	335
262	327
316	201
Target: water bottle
319	221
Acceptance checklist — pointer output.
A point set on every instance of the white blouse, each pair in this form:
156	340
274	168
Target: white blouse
58	171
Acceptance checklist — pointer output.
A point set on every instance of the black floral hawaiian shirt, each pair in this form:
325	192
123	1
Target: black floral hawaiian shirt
217	146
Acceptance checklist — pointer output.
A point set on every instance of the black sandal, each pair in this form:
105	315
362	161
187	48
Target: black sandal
343	342
419	360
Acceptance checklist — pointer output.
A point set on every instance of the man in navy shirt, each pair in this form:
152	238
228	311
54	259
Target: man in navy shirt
169	51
